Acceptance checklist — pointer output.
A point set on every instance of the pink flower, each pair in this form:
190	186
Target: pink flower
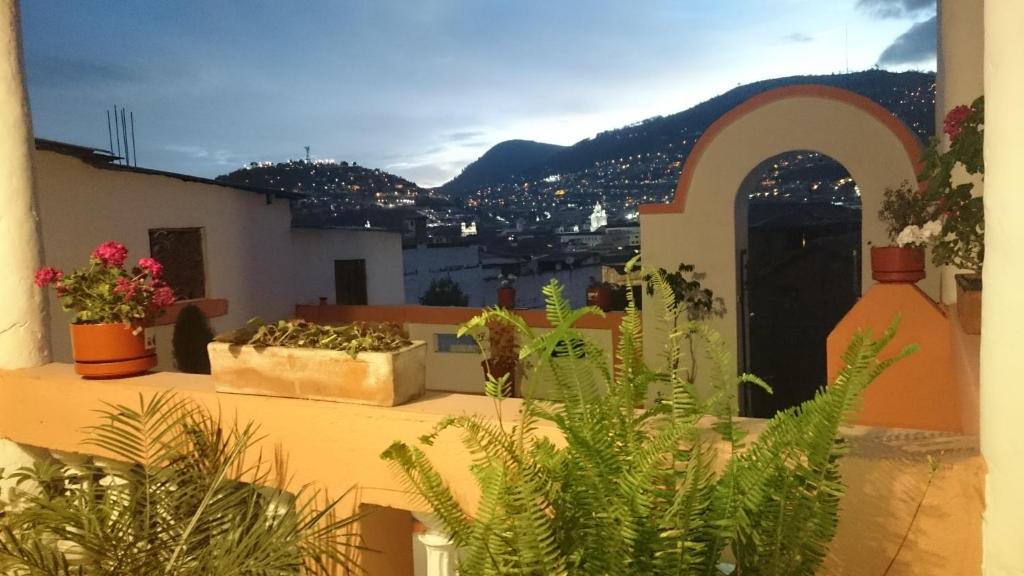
48	275
111	254
163	297
953	124
126	288
152	266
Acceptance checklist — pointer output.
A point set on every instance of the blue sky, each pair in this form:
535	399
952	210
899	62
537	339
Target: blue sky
423	87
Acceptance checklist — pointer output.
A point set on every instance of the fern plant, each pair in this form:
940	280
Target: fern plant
186	502
639	489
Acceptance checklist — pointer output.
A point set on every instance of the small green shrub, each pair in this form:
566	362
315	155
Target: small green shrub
444	292
637	489
352	338
191	335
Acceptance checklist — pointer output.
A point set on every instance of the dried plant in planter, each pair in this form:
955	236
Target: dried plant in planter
352	338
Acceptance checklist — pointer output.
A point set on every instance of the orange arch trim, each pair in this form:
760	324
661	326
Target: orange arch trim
911	144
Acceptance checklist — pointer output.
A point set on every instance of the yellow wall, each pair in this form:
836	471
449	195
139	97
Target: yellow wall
704	233
461	371
1002	336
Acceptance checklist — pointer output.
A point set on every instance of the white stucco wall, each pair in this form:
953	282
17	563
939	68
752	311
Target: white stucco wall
704	234
315	251
959	79
247	252
253	257
1002	336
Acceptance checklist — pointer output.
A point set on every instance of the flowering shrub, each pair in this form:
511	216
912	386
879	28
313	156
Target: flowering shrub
961	242
105	292
905	211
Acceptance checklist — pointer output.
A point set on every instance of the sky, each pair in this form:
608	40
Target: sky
422	88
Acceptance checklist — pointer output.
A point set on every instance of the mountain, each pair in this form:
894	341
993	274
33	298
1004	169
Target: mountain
501	162
909	95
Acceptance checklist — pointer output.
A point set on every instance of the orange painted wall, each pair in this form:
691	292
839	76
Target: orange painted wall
920	392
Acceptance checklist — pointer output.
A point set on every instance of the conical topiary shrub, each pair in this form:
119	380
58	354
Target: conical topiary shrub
191	335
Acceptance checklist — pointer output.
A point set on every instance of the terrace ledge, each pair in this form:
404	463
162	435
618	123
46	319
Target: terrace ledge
337	446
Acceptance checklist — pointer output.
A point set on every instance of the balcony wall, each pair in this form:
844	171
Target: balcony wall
338	445
453	371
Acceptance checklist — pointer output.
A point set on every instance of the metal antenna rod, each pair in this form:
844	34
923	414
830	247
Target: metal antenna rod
135	157
110	133
124	129
117	134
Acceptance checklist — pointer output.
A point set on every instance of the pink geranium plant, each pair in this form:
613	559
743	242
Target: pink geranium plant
105	291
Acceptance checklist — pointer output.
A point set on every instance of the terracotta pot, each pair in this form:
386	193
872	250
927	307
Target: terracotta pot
897	264
968	302
499	369
600	296
507	297
111	350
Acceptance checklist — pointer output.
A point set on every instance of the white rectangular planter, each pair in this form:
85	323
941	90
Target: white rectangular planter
377	378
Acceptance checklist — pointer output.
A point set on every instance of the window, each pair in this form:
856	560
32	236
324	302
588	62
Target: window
350	282
180	250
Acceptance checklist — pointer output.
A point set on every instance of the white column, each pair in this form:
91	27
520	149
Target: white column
1002	338
440	553
24	337
959	80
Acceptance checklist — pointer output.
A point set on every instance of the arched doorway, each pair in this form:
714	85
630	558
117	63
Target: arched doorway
699	226
799	261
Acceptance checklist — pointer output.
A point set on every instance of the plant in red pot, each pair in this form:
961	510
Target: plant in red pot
112	306
507	291
906	213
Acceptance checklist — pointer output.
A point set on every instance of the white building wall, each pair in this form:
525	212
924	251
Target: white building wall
252	256
315	251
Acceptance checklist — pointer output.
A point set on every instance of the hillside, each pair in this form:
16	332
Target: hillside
909	95
331	188
502	162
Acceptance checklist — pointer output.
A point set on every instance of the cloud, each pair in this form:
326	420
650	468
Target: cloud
799	37
457	136
896	8
77	72
916	45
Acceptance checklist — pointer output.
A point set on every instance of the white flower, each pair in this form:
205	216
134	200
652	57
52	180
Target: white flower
919	235
932	229
910	236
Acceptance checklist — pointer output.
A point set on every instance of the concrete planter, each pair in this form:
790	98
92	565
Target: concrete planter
968	302
377	378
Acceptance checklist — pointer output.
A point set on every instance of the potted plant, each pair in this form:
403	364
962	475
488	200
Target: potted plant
906	213
507	291
502	356
599	294
112	307
360	362
961	241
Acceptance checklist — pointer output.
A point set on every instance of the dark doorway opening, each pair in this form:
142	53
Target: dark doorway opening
350	282
799	236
